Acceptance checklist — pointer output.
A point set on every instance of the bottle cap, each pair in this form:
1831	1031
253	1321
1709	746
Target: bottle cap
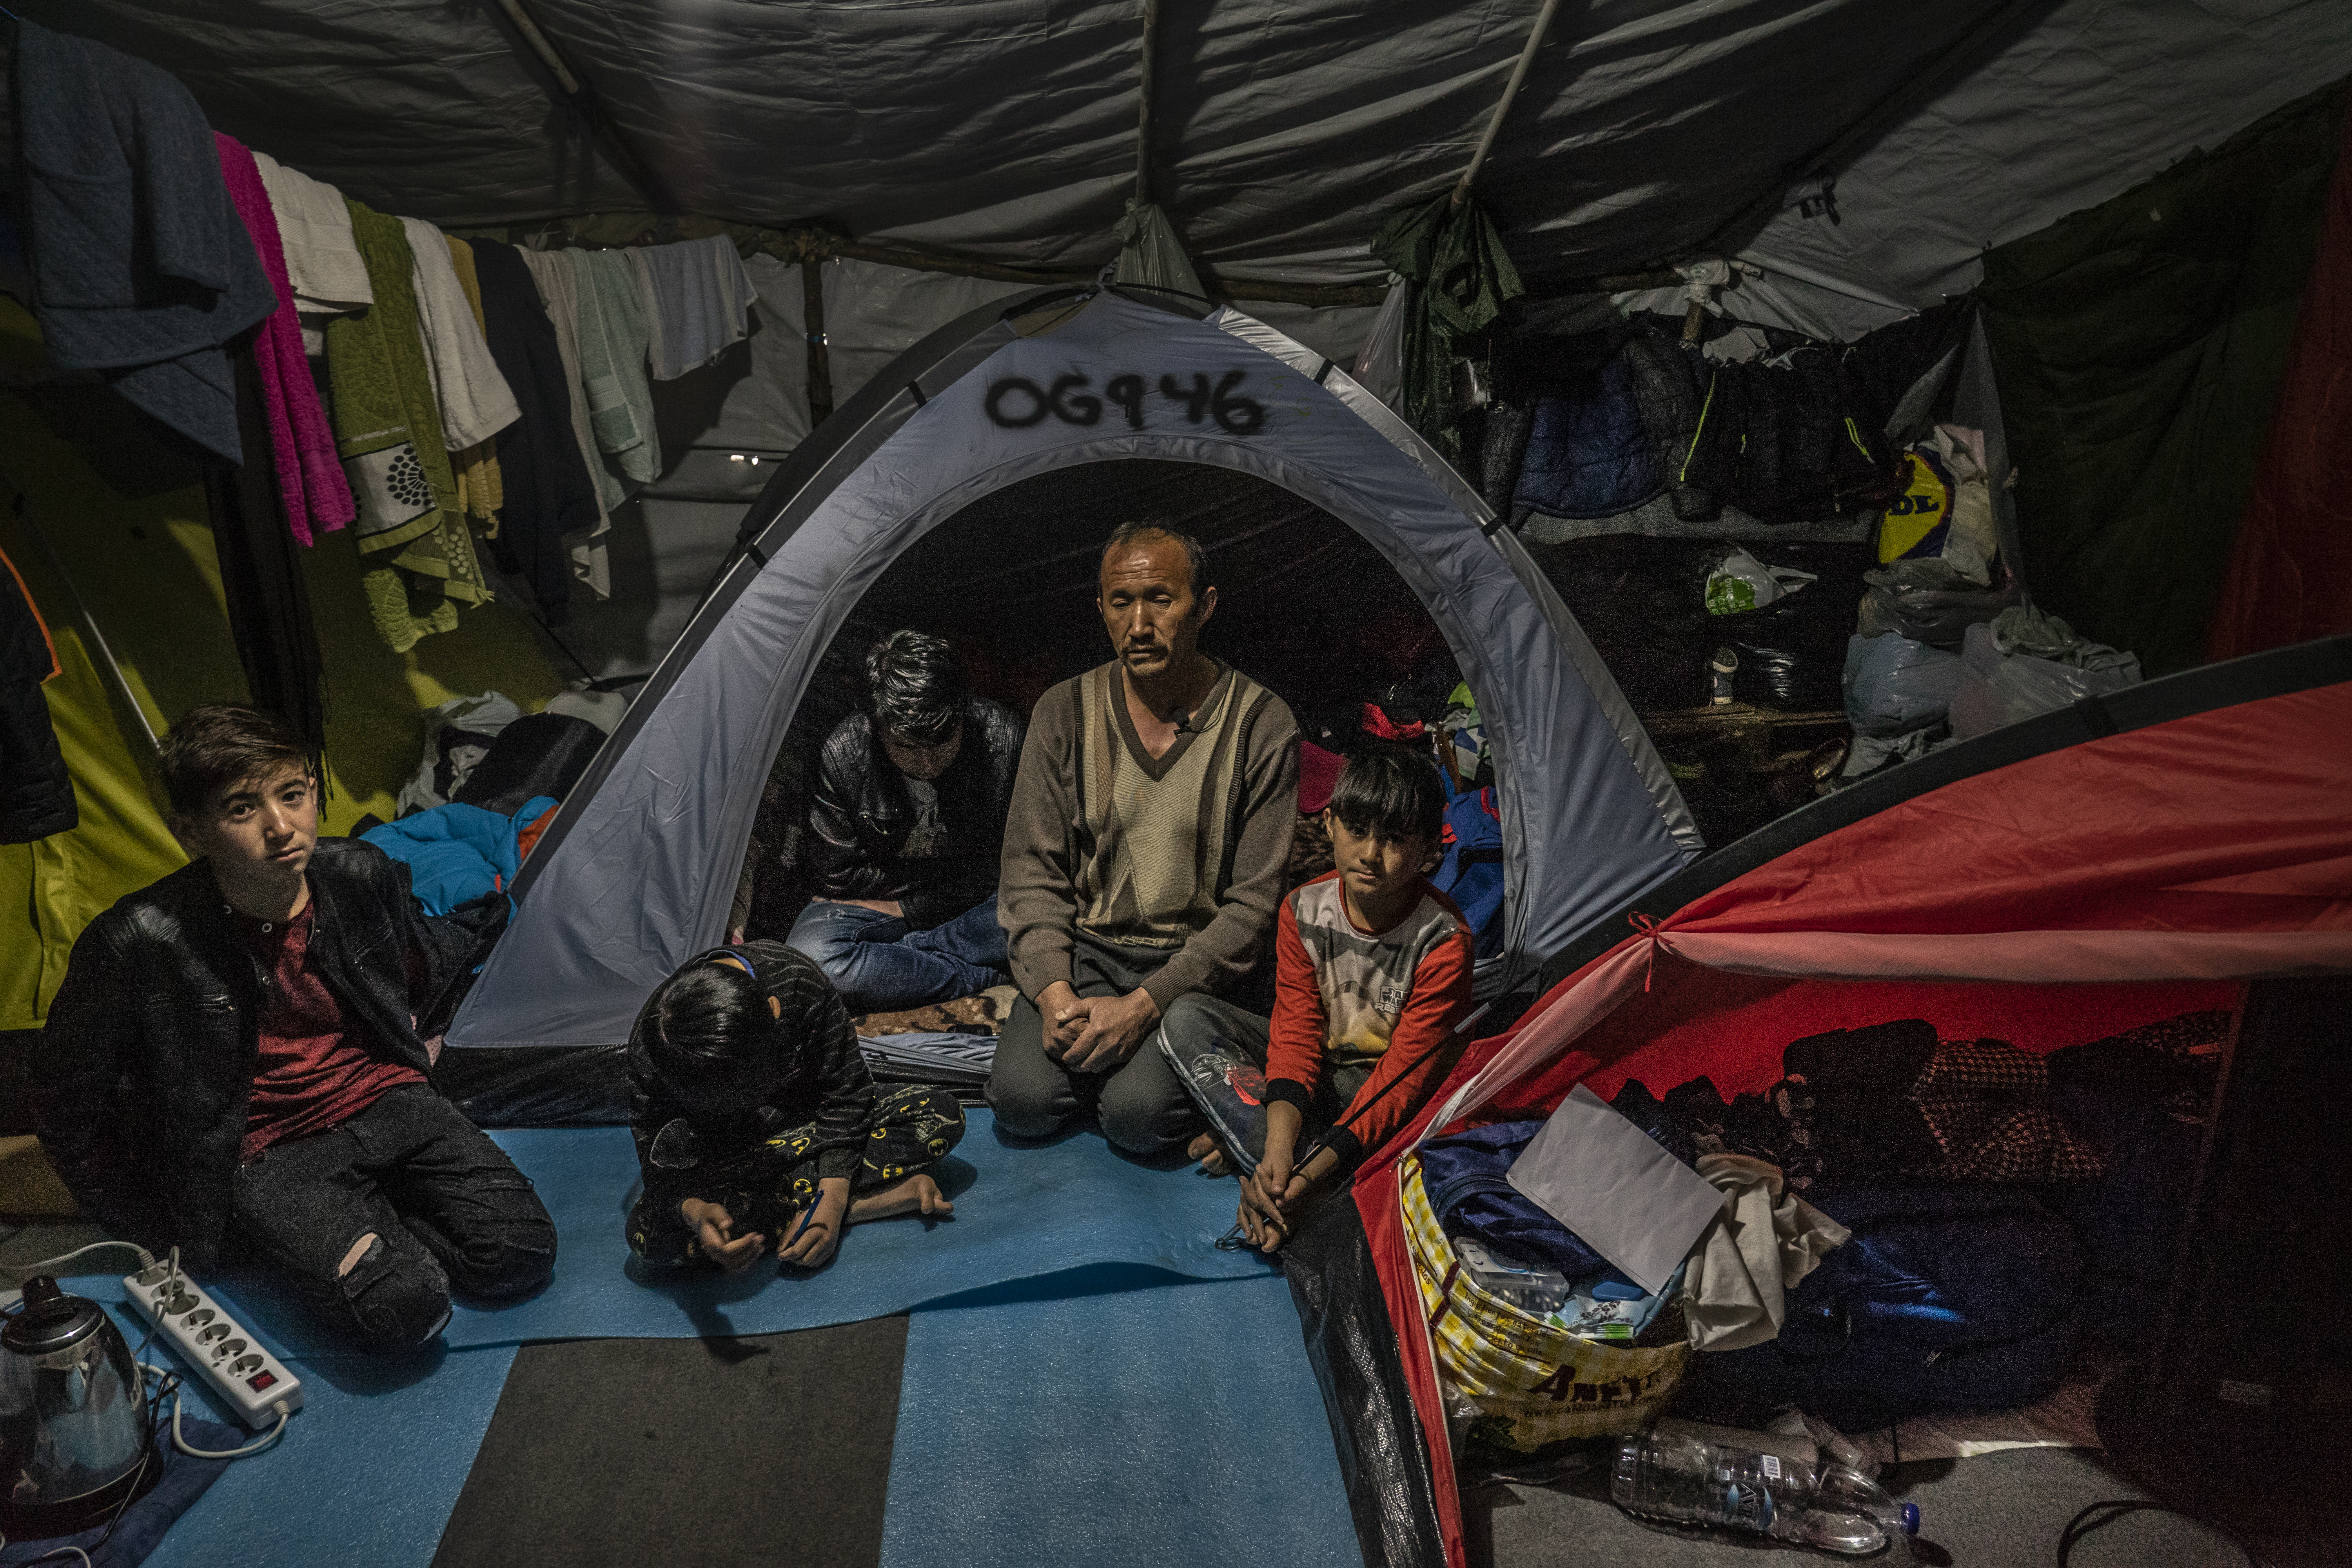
1910	1519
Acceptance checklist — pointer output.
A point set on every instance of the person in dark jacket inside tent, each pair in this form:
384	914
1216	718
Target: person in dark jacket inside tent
905	829
233	1062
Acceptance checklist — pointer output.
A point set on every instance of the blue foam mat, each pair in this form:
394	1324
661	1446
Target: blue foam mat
366	1474
1118	1430
1020	1213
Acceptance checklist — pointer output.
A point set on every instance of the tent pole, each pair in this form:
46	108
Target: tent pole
820	356
1510	91
1143	113
119	684
582	99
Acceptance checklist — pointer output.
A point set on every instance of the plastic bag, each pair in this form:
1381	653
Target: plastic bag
1741	582
1997	688
1945	509
1929	601
1893	685
1379	364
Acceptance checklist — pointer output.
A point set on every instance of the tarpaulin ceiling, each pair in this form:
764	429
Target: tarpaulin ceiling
1286	128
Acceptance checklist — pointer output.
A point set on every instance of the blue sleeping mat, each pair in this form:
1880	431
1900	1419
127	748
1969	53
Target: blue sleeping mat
366	1474
1130	1430
1020	1213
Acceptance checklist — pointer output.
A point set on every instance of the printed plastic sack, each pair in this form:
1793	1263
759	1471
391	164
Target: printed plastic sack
1945	509
1525	1382
1997	688
1894	686
1741	582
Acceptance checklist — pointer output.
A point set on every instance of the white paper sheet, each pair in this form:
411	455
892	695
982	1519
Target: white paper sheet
1610	1183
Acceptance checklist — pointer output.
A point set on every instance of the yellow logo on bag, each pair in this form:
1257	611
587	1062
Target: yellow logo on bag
1914	522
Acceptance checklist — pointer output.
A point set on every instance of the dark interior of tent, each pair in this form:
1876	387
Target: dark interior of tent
1893	1116
1306	607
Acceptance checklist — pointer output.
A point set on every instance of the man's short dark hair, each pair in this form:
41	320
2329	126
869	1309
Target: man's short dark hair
1390	792
1128	532
916	687
709	1036
224	743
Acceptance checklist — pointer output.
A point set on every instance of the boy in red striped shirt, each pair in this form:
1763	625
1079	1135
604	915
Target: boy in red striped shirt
1371	978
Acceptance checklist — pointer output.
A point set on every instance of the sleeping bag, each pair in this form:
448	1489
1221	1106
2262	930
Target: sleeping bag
1946	1297
455	854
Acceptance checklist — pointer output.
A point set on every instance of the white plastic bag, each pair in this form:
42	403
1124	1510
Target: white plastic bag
1740	583
1997	688
1379	365
1894	686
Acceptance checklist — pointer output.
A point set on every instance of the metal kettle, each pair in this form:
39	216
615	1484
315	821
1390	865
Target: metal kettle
75	1430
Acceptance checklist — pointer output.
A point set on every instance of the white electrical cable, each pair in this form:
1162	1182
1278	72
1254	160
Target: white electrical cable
179	1442
53	1551
26	1270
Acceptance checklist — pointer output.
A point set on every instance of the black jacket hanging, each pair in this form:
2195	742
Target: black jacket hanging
261	574
549	492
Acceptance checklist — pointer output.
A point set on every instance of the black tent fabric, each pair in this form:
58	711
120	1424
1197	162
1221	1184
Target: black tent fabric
2140	346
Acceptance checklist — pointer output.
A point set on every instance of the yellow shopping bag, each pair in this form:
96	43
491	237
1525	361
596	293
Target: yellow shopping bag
1530	1381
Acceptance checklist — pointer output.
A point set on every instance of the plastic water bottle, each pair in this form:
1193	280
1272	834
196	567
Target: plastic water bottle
1685	1473
1529	1286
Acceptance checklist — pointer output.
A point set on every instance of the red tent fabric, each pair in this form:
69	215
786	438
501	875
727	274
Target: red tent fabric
2058	900
2293	550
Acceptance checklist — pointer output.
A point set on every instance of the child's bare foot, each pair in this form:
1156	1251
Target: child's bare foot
1209	1152
916	1195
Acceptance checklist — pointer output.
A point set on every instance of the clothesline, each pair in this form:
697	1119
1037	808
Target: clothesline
419	389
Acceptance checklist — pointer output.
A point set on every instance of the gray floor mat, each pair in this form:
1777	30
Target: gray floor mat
771	1450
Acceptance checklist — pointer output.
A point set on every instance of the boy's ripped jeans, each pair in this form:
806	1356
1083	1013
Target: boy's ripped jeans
446	1210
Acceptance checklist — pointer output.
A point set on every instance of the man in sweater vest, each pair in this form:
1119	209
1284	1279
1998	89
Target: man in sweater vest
1143	855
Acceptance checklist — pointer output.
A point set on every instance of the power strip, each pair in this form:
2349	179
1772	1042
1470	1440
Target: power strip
252	1382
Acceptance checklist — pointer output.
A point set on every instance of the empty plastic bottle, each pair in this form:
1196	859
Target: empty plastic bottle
1685	1473
1529	1286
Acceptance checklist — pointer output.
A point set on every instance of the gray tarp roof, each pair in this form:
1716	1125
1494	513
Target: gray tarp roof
1287	128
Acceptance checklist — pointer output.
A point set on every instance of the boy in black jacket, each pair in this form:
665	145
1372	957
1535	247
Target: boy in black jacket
234	1058
758	1128
906	829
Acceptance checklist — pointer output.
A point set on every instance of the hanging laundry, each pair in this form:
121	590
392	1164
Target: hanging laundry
1788	442
547	491
387	424
559	295
698	299
613	343
388	429
141	268
476	403
481	488
311	482
1588	455
323	262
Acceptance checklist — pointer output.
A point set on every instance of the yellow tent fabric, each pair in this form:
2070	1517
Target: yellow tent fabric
113	523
